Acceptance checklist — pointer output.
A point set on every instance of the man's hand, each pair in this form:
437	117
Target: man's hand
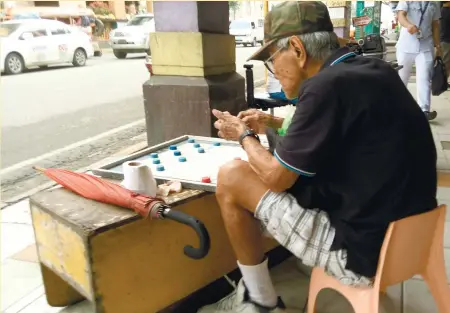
230	127
255	119
412	29
259	121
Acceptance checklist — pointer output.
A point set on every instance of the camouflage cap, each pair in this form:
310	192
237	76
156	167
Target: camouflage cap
293	18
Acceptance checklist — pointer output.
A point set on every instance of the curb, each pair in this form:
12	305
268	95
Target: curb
134	148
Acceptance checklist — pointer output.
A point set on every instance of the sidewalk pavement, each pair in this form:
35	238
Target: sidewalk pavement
21	282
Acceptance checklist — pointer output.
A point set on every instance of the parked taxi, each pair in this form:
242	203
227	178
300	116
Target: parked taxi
41	42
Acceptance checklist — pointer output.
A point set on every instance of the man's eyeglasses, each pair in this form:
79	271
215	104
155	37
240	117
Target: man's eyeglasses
269	62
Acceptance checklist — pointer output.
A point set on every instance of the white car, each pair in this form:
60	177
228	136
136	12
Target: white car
40	42
247	32
133	37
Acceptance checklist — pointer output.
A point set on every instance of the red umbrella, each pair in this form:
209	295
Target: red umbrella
95	188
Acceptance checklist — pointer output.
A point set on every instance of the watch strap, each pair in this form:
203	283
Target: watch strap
248	133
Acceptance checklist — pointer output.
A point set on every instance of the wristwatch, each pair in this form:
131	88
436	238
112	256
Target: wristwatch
247	133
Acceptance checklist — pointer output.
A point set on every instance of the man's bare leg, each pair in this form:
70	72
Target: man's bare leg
239	191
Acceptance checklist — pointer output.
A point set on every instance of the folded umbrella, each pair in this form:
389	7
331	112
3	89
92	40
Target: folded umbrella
95	188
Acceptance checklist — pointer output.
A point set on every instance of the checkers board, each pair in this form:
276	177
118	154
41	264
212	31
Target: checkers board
192	160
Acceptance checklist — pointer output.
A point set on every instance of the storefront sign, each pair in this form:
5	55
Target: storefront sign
359	12
372	9
361	21
376	19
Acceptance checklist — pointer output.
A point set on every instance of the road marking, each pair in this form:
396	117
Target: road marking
35	160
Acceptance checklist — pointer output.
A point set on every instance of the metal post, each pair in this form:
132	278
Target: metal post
359	12
250	85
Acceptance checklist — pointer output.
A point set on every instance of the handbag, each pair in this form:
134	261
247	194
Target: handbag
439	82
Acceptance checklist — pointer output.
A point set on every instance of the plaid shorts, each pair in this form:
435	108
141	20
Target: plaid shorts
308	234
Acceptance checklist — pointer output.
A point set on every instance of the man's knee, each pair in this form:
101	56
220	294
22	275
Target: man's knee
230	175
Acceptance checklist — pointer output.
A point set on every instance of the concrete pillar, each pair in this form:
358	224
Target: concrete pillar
149	6
194	68
118	8
340	14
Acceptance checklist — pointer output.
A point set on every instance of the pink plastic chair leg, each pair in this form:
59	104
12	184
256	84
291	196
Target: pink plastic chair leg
436	279
435	274
314	290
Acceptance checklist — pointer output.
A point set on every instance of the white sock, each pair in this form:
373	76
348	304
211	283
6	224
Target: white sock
259	284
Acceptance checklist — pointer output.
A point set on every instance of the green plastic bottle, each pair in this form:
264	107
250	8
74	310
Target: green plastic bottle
286	122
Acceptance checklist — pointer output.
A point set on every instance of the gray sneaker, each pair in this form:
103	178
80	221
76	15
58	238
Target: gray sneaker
430	115
239	302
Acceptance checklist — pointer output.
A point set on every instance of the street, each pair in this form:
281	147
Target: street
72	117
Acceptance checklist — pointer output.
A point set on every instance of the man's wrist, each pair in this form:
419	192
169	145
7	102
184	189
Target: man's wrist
248	139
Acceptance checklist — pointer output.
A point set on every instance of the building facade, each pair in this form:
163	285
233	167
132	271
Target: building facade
121	9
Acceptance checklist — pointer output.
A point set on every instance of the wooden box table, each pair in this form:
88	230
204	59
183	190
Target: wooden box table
121	262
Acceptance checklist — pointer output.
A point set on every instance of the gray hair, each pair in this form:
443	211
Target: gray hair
318	45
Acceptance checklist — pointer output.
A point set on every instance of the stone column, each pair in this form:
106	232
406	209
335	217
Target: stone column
194	69
340	14
149	6
118	8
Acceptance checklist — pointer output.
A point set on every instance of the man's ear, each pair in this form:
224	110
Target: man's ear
297	46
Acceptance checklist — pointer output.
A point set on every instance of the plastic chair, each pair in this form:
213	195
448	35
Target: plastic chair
412	246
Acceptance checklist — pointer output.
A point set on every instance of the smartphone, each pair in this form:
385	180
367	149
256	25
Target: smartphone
419	34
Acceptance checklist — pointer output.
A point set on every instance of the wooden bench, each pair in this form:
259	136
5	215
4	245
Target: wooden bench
121	262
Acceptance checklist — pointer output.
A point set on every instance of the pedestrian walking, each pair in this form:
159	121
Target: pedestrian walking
419	37
445	34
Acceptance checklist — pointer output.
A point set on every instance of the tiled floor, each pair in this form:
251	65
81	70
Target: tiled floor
21	282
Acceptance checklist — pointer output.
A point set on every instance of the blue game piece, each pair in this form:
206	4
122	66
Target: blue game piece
216	144
177	153
191	140
160	168
156	161
154	155
201	150
182	159
173	147
196	145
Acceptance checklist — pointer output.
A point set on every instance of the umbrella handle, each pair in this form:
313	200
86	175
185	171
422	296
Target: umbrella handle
198	226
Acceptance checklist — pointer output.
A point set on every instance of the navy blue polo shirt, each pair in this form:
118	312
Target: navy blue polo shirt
364	151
